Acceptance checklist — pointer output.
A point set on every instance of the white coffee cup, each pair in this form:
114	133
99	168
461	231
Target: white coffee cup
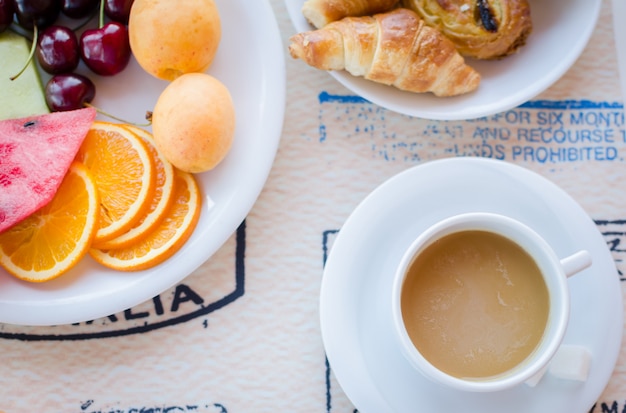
553	269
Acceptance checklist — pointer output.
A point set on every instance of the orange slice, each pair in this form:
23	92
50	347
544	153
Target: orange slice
167	238
53	239
158	204
121	164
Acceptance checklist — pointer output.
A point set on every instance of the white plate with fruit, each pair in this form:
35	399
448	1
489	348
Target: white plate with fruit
560	32
256	81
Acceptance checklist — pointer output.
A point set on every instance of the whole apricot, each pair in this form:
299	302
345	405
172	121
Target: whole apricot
169	38
193	122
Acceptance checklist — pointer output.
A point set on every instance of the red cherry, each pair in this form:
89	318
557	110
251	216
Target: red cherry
118	10
78	9
41	13
57	50
106	50
69	92
7	10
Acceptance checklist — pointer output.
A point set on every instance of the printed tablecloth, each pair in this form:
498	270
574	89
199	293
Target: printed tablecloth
242	333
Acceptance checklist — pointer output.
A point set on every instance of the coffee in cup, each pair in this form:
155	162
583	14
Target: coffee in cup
474	304
481	301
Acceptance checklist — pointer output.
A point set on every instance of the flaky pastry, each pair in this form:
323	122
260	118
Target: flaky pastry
321	12
394	48
482	29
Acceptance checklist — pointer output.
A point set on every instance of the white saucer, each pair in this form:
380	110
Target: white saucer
356	288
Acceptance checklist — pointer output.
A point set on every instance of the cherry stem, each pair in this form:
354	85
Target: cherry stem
102	112
33	47
101	21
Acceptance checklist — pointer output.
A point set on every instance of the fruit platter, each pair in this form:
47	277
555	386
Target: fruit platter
122	91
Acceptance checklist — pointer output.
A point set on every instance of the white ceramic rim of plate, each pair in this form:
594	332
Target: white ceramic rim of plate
499	91
233	187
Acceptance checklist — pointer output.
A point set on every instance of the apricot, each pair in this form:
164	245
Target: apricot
169	38
193	122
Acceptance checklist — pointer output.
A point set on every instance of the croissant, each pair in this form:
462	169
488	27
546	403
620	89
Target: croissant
394	48
321	12
483	29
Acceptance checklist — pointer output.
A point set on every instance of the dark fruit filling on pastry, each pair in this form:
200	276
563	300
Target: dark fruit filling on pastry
485	15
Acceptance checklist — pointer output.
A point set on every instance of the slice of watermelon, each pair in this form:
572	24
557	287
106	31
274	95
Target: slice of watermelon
35	154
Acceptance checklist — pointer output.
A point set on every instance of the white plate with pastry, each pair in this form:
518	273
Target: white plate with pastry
560	30
256	80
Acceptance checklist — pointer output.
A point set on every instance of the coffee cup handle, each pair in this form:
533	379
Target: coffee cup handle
571	362
576	262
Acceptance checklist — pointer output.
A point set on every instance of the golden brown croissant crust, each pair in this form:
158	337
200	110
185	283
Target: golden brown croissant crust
394	48
483	29
321	12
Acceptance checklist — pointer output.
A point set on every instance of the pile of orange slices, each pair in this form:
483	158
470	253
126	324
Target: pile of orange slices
121	202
